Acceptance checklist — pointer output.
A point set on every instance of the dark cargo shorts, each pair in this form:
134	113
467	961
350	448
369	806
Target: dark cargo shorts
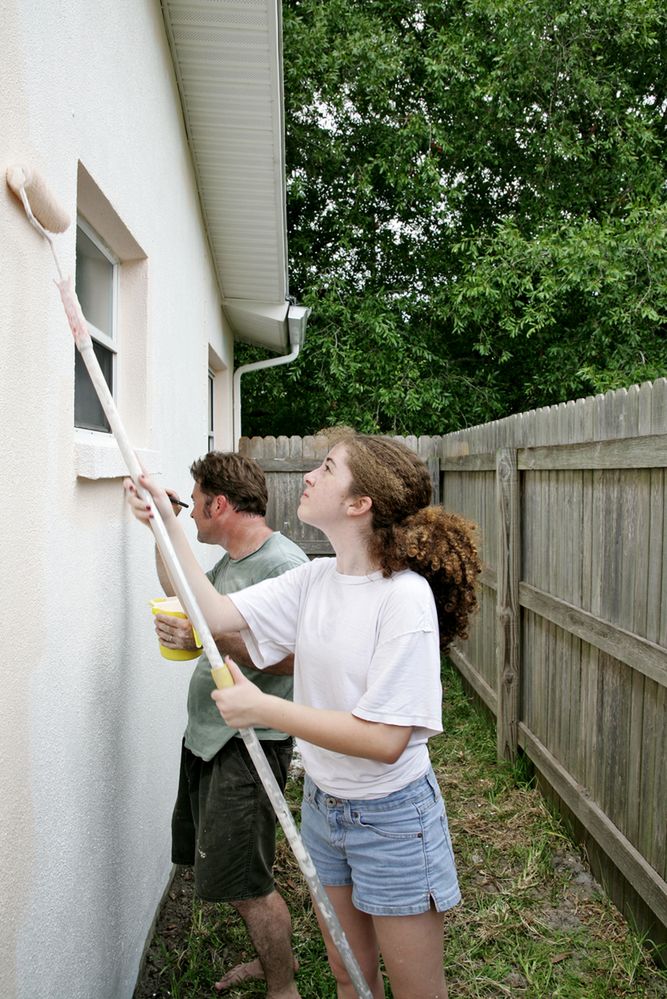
223	823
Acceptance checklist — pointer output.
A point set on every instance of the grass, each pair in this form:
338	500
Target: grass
533	922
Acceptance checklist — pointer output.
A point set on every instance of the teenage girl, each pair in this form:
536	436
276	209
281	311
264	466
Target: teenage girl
367	629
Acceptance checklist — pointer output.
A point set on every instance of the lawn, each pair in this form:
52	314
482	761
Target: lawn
533	922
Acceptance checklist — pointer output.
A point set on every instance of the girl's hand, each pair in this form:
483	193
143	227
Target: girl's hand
240	705
139	507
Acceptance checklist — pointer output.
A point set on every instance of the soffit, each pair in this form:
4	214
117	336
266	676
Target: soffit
227	57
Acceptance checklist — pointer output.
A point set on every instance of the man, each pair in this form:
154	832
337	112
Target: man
223	822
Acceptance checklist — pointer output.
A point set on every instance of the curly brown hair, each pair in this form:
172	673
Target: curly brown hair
240	479
409	533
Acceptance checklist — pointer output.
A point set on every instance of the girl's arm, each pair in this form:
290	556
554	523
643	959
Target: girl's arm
220	613
244	705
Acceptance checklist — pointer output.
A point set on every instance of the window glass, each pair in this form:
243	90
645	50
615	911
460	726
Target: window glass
94	283
95	289
88	412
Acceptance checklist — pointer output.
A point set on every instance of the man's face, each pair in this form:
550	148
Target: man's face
201	514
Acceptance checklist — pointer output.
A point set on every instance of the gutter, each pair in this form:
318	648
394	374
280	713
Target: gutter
297	319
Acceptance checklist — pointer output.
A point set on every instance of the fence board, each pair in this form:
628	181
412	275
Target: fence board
477	682
625	856
642	452
645	657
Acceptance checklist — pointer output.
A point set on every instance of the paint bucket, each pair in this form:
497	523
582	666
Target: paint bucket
172	606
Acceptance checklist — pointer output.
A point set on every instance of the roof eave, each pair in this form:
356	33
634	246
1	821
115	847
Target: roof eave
227	59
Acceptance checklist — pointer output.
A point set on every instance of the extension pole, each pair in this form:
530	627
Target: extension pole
220	672
44	214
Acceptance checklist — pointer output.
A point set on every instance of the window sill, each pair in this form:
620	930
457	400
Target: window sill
97	456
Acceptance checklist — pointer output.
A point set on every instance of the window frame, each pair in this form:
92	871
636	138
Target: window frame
210	439
109	341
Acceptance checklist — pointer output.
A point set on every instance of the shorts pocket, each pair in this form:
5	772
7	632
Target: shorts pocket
394	823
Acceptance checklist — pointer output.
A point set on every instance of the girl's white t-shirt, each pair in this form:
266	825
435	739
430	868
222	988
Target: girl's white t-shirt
362	644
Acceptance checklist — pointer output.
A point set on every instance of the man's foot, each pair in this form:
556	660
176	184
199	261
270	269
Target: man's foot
240	973
244	973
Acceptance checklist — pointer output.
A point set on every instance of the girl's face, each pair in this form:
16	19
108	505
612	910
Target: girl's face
326	497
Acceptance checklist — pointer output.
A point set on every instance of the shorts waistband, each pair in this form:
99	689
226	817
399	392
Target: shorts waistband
320	797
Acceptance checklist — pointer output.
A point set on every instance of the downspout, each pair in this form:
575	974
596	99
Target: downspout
297	318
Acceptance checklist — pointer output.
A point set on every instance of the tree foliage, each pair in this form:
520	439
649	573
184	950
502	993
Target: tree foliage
477	209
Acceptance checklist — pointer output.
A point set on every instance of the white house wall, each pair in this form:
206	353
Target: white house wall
90	715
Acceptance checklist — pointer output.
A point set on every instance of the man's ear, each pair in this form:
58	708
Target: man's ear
359	506
219	505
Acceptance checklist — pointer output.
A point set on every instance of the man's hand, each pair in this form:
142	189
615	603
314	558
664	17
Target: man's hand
174	632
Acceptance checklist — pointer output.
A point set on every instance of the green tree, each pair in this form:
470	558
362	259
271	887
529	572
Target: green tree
477	209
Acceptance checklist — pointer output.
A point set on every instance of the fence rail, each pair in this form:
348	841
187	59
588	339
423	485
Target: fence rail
569	648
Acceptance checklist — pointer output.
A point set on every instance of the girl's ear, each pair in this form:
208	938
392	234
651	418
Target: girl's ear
359	506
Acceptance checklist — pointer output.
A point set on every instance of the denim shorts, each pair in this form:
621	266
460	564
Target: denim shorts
395	851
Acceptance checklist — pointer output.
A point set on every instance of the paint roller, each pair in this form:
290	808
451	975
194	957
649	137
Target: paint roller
47	217
37	200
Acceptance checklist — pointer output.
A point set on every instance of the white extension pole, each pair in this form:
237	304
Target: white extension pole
220	672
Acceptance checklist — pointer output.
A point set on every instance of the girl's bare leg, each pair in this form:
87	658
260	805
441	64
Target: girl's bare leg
360	933
411	947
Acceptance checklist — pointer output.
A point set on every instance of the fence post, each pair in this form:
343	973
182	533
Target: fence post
507	603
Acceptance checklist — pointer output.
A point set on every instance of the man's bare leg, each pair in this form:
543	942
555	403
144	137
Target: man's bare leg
270	928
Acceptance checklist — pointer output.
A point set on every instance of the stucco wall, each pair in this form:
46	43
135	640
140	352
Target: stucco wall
90	715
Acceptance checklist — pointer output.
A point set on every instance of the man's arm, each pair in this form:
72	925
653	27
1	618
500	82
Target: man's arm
233	645
219	611
163	575
178	634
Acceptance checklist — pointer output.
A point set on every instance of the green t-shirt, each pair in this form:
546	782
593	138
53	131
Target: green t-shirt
206	732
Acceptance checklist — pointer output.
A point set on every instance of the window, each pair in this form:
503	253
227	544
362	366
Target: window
218	384
97	291
112	286
211	410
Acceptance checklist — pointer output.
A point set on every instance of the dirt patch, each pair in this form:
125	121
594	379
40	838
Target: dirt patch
172	931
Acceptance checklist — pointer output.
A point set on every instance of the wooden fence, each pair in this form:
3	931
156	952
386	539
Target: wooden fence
569	648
